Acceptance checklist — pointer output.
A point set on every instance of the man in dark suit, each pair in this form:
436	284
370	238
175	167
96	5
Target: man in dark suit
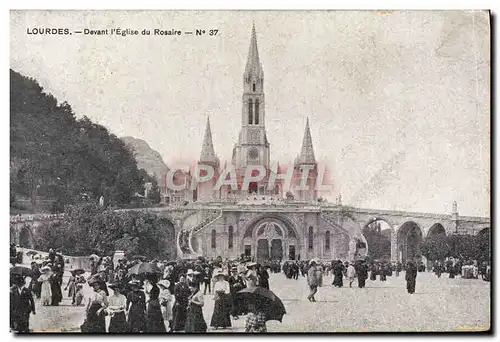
236	284
21	305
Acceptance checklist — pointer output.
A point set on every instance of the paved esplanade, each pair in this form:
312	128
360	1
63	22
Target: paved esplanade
438	304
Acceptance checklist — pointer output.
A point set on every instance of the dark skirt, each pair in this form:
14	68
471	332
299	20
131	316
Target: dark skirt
338	280
179	312
383	277
195	322
410	285
373	276
361	282
154	317
57	297
118	323
136	319
221	315
94	323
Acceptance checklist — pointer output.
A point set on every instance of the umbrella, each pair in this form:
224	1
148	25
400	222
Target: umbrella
94	256
270	304
140	257
145	267
31	253
21	271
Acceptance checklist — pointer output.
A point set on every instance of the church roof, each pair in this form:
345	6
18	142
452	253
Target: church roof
253	67
307	152
207	150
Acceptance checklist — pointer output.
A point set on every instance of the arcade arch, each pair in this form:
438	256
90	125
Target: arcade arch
408	241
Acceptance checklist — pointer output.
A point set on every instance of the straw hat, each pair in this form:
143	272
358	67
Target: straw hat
135	283
45	269
164	282
190	271
251	264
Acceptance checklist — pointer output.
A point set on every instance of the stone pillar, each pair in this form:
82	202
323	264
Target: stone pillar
394	244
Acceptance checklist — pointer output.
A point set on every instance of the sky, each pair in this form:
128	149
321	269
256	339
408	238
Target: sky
397	101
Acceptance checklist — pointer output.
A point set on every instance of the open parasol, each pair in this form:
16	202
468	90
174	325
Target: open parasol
143	268
21	271
94	257
266	301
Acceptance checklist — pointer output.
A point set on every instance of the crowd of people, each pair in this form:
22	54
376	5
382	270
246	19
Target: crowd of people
167	296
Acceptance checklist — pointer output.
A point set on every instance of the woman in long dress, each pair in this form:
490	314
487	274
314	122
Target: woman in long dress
116	310
46	292
136	307
181	293
338	272
195	322
71	287
222	307
166	301
98	302
154	316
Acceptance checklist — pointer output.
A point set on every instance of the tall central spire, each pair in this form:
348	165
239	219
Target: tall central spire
253	66
207	150
307	152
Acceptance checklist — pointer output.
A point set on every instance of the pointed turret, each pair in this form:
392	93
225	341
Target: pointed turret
207	150
307	152
253	67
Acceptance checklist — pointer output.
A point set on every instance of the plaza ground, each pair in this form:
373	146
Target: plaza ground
437	305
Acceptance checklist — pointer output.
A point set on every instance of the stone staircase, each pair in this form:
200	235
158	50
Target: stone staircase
186	235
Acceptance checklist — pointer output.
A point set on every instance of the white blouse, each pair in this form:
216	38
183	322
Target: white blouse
221	285
117	303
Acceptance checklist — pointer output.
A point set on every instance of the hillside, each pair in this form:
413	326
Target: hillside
147	158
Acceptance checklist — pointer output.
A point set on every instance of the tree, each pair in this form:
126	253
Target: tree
435	247
89	228
57	157
379	246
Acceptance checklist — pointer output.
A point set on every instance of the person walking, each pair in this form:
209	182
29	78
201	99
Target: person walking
21	305
312	280
46	290
351	273
95	321
221	314
35	284
338	272
154	317
236	283
166	301
136	307
362	274
181	293
411	277
116	309
195	322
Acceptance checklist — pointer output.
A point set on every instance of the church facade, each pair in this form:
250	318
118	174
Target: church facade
265	218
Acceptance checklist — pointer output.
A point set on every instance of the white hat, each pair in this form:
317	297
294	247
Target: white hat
45	269
190	271
165	283
250	264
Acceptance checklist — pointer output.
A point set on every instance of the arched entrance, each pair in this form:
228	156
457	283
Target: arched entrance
377	233
436	229
271	238
409	238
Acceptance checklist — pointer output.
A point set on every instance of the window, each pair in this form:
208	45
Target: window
327	240
310	238
213	239
230	237
250	112
256	111
254	87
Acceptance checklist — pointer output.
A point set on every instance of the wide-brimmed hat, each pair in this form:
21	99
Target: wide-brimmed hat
251	264
190	271
165	283
45	269
93	280
113	285
219	274
313	261
135	283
